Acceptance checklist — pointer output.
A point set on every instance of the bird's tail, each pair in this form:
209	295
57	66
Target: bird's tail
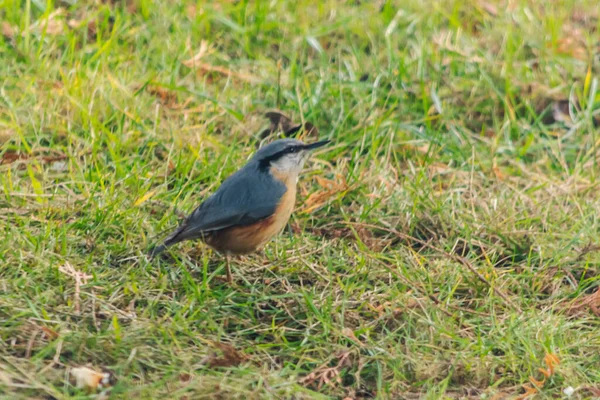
169	241
157	250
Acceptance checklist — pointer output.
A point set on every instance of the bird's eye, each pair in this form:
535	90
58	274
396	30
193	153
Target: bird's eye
293	149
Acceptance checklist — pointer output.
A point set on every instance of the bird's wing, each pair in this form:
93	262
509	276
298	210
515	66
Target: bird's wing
246	197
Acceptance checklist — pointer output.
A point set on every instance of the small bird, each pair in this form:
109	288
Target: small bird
251	206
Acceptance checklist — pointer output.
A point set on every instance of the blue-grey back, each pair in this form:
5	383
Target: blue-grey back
246	197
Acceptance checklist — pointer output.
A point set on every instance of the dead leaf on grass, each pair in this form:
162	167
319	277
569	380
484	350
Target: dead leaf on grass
282	123
168	98
529	391
326	375
589	248
52	25
489	7
438	168
279	123
203	68
330	189
498	172
595	391
193	11
572	47
51	334
184	377
551	361
349	333
420	148
195	63
591	301
8	30
11	156
43	155
231	357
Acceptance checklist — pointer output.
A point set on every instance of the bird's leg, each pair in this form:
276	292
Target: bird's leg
228	269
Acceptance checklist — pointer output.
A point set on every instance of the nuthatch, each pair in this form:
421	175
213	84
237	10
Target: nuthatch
251	206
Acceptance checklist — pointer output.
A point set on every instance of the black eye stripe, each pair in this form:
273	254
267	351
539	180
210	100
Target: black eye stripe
266	161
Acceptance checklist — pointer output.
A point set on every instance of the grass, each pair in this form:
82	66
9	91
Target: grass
445	246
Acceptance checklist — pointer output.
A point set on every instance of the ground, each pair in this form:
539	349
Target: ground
445	245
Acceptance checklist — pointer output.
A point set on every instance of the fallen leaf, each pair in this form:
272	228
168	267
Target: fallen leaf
51	25
438	168
75	23
193	11
282	123
489	8
380	309
350	335
497	172
551	361
591	301
231	357
529	391
169	98
572	47
11	156
53	28
204	67
165	96
87	378
536	382
50	333
7	30
544	372
185	377
279	122
331	188
205	48
423	149
595	391
325	375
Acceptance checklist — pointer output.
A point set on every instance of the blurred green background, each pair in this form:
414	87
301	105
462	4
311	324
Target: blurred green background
445	246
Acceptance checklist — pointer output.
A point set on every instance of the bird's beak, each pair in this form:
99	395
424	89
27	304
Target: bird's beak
315	145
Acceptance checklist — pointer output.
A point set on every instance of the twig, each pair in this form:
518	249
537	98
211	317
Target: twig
79	277
55	360
30	343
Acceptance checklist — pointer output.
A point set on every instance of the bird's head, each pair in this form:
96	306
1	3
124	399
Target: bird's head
286	155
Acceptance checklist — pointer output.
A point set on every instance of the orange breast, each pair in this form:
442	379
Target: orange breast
249	238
